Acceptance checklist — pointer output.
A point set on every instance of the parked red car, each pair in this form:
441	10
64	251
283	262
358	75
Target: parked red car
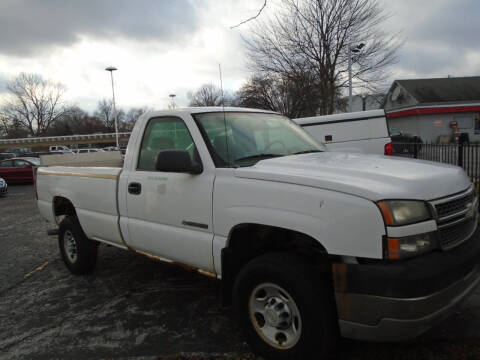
18	170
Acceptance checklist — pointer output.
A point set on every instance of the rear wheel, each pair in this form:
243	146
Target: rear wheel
284	309
78	252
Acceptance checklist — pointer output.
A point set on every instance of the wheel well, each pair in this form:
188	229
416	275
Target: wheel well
63	206
248	241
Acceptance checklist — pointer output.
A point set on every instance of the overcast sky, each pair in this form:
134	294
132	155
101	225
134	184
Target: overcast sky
173	46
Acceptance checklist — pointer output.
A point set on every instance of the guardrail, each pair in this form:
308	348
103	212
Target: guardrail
62	140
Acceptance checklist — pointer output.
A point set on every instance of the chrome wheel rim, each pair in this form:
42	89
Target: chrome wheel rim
70	246
275	316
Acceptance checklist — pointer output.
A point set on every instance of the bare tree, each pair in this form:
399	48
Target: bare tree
33	103
105	113
3	126
206	95
11	129
132	116
313	36
77	121
293	97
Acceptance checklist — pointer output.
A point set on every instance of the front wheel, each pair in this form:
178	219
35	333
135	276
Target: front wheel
78	252
285	310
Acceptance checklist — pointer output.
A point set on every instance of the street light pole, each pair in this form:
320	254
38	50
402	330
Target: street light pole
351	49
111	69
172	100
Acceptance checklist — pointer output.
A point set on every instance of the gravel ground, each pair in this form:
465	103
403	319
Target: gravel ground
135	308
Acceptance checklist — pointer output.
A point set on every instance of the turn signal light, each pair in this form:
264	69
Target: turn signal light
393	248
387	214
410	246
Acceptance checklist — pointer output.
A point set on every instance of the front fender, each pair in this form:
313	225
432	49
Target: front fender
343	224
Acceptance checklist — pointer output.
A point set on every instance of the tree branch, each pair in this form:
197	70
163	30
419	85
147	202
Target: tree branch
252	18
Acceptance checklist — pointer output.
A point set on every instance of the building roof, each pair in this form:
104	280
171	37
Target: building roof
443	90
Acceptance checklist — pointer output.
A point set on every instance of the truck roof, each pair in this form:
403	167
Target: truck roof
358	115
199	110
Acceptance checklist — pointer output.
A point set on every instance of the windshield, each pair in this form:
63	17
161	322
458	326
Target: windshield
243	139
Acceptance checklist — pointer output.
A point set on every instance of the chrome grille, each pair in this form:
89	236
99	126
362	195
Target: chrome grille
456	218
454	206
454	235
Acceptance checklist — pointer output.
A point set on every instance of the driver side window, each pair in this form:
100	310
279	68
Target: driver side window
8	163
166	133
20	163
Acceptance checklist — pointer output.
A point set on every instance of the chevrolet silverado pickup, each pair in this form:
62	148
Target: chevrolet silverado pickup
309	245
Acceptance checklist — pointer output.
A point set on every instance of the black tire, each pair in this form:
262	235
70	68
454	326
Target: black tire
83	258
312	296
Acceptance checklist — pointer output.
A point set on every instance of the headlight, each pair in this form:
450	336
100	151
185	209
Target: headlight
409	246
404	212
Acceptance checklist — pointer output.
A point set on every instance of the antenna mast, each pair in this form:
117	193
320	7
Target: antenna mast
224	117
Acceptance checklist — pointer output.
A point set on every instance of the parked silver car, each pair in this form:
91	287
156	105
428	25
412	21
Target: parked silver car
3	187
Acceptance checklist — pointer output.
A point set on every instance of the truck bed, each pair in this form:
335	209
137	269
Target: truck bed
103	159
93	193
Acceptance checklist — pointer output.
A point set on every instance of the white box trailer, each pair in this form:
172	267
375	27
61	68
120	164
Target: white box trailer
361	132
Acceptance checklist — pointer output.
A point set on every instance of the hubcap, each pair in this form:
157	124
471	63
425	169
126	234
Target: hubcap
70	246
275	316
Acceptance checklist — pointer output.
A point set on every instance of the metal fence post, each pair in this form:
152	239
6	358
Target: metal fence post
415	147
460	153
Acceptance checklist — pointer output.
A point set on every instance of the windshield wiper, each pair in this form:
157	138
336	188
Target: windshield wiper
307	152
258	156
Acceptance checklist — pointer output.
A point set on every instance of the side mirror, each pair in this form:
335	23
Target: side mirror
177	161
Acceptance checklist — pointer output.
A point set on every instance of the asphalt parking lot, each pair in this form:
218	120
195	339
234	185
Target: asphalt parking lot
135	308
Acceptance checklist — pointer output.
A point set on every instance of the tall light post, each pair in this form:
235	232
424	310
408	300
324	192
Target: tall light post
351	49
172	100
111	69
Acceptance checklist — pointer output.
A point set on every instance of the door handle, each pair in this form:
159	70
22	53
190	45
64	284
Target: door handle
135	188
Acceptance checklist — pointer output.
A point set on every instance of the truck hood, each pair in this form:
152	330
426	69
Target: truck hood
374	177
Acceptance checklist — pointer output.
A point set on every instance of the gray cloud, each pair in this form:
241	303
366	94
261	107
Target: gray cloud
427	61
454	24
438	38
31	26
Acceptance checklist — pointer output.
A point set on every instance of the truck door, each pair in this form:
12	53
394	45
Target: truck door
170	214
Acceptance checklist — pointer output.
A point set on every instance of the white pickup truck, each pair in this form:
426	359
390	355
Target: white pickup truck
308	244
